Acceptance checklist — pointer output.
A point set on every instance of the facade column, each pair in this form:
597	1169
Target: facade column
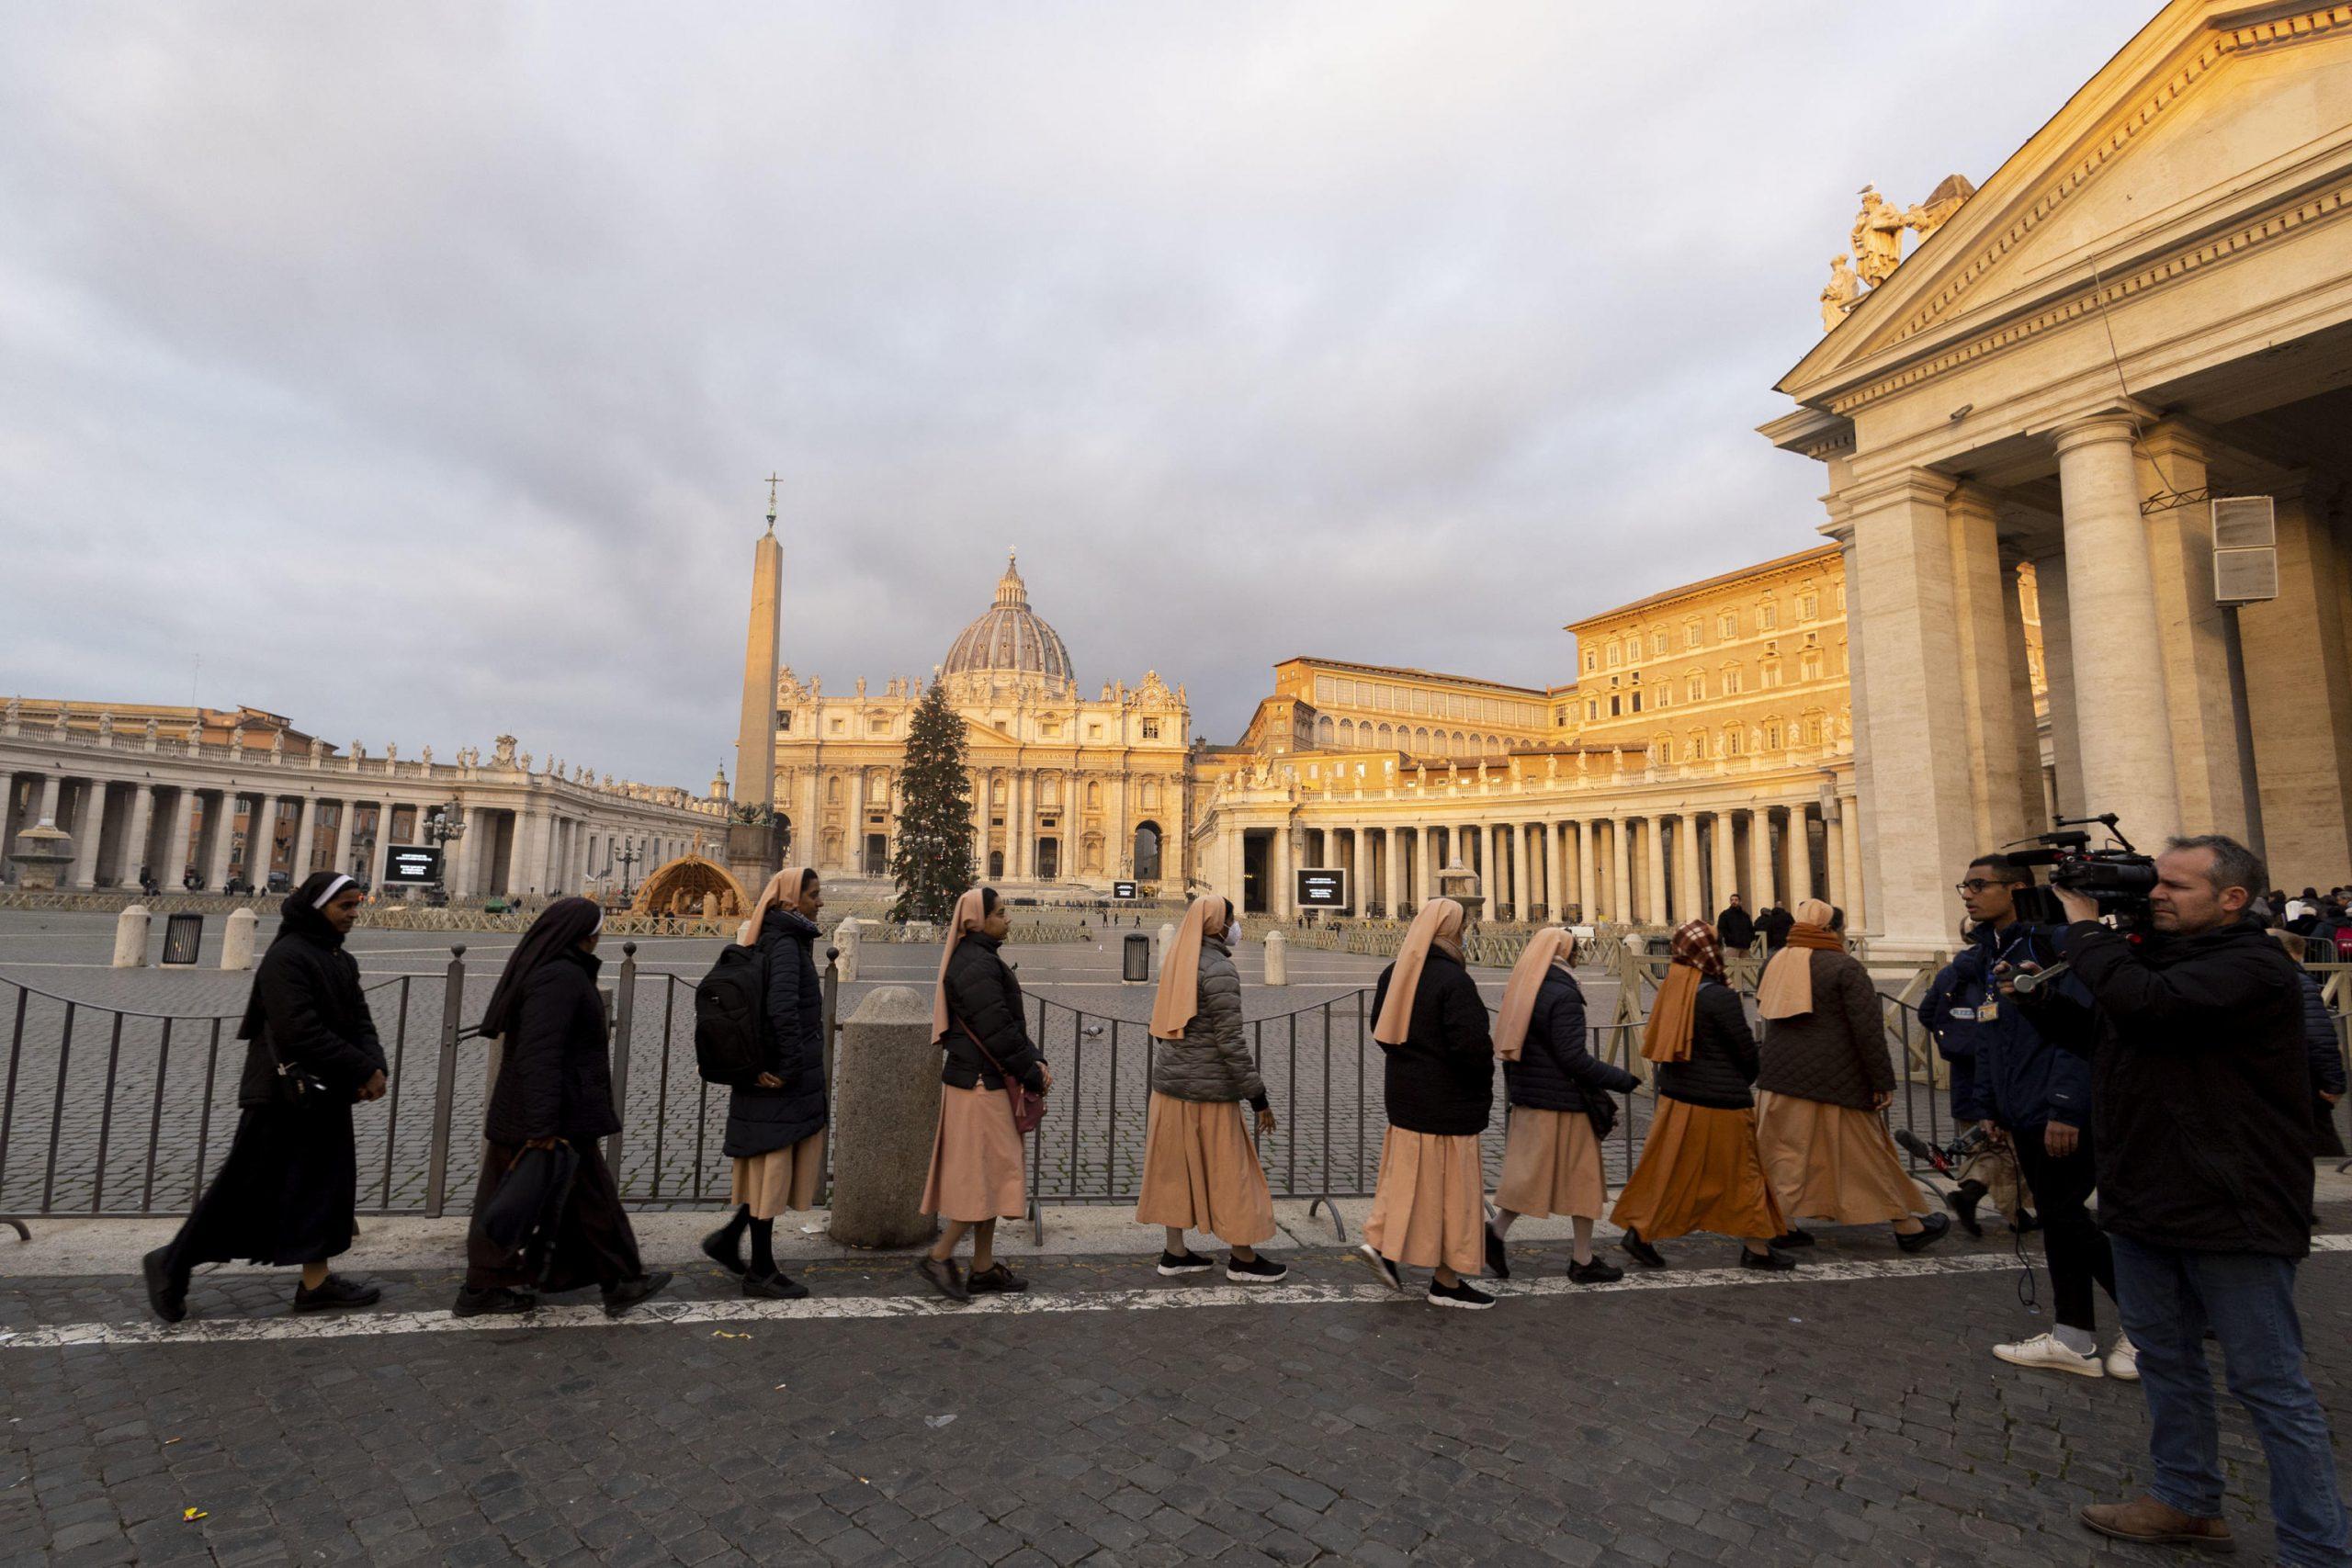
1796	846
176	859
1523	896
135	858
1686	868
1833	847
1759	861
1016	829
1392	866
1980	611
2024	736
306	826
47	812
220	832
2058	679
1723	843
92	828
1654	871
346	822
1424	865
2299	700
2210	766
1840	527
1280	857
2126	736
1849	826
1621	871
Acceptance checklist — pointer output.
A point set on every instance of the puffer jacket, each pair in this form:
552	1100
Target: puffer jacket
556	1079
1723	1053
1554	1070
1441	1078
2014	1078
761	1120
983	994
1837	1053
1211	1061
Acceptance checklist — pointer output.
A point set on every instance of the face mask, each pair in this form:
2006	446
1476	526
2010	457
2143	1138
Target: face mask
1233	931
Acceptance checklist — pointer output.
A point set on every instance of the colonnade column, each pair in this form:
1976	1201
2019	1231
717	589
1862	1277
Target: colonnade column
1392	893
346	822
2023	726
1849	833
1760	860
306	826
1654	870
1727	863
1832	845
2211	767
1587	873
1686	868
220	826
48	791
1280	857
1979	612
2058	679
1796	847
86	834
1522	897
175	850
2301	724
1620	868
134	842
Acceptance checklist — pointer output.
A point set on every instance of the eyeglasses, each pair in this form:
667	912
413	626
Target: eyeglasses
1975	885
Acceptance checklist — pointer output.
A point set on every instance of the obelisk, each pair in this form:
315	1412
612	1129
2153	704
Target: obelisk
755	849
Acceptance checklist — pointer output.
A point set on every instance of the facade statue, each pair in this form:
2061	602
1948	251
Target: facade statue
1877	238
527	762
392	755
1925	218
318	749
16	711
505	756
106	727
150	735
425	756
277	745
1839	298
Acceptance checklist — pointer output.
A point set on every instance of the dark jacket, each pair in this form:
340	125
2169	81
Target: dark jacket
1835	1054
1212	1062
2016	1079
2327	1068
1723	1053
1776	925
309	1014
983	994
556	1079
761	1120
1736	929
1554	1071
2200	1088
1441	1080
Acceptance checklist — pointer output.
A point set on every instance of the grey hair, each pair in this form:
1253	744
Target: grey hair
2234	866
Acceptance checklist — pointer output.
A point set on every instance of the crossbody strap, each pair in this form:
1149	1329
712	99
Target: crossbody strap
985	1052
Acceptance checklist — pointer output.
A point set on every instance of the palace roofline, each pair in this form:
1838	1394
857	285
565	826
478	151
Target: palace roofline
1410	673
1667	596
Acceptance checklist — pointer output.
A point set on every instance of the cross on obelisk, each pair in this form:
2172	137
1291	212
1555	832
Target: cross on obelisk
772	484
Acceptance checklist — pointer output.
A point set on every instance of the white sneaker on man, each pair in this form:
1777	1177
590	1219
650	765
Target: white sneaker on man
2123	1361
2044	1353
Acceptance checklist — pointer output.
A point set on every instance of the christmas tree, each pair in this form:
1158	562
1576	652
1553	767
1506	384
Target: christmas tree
933	862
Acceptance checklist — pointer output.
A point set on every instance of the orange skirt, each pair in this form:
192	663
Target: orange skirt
1833	1162
1428	1204
1551	1165
975	1159
781	1179
1698	1172
1201	1172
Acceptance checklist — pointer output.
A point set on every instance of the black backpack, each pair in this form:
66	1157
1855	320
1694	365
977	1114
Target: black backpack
730	1016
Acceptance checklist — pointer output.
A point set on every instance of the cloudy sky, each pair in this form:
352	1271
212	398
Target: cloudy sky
411	370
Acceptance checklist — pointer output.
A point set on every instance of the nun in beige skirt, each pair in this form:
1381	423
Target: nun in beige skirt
976	1160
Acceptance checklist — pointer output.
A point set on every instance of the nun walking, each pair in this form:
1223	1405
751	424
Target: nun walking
977	1176
1562	1105
1825	1079
554	1092
775	1122
288	1192
1699	1170
1199	1167
1429	1203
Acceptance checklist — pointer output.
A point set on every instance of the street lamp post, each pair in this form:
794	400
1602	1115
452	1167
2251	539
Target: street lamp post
627	857
443	824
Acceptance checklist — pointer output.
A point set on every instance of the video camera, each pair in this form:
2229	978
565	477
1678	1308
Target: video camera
2118	880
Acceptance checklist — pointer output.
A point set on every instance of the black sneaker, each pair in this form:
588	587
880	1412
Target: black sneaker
335	1293
1640	1251
1774	1261
2025	1222
724	1247
496	1301
1793	1238
946	1277
1497	1256
995	1278
1595	1272
1461	1293
1932	1229
167	1292
1258	1270
628	1292
776	1287
1962	1201
1171	1264
1388	1274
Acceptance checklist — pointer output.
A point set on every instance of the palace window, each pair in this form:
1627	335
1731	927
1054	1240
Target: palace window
1731	741
1592	662
1697	688
1094	732
1152	730
1727	624
1809	665
1691	634
1661	696
1614	710
1593	708
1613	659
841	726
1808	606
1697	748
1813	731
1731	679
784	724
1637	702
1767	616
1772	737
880	726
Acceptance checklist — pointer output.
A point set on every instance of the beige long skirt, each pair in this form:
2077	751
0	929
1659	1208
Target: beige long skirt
1551	1165
1428	1204
976	1159
1201	1172
1832	1163
1699	1171
781	1179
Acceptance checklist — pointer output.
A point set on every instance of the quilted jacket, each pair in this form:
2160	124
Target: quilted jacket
1837	1053
1211	1061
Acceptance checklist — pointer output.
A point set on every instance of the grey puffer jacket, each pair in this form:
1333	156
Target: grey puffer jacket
1211	1061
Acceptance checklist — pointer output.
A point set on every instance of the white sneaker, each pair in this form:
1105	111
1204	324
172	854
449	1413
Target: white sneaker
2123	1361
2044	1353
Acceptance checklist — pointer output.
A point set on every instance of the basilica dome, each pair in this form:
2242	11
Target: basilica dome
1010	639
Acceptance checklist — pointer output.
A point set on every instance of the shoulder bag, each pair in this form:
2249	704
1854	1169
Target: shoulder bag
1028	1104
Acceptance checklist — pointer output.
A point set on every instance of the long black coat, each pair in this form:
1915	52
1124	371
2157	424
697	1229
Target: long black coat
761	1120
556	1080
1554	1070
1441	1080
983	994
308	1012
1723	1053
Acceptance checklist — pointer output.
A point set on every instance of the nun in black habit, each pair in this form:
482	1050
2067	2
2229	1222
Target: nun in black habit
555	1093
287	1193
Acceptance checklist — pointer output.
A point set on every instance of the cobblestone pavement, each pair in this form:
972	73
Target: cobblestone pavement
1856	1421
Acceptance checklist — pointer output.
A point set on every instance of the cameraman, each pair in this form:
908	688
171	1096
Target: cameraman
2203	1121
2037	1099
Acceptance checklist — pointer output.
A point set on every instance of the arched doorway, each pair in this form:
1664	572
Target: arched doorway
1049	859
996	865
1146	851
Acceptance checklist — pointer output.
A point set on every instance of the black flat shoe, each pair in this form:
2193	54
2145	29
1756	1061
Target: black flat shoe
1497	1256
995	1278
776	1287
1962	1201
1387	1271
1775	1262
497	1301
1595	1273
1793	1238
1259	1270
1172	1264
336	1292
946	1276
1640	1251
1932	1229
628	1292
724	1247
166	1293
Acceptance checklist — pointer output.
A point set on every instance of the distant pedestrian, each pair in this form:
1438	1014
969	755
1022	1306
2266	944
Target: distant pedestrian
1699	1170
1562	1104
2319	1048
976	1156
554	1093
288	1192
1734	927
776	1123
1431	1025
1199	1167
1823	1079
1776	923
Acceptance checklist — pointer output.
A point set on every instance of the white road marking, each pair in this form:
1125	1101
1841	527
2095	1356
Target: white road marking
1333	1292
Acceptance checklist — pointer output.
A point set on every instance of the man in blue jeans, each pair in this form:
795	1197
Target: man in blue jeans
2202	1117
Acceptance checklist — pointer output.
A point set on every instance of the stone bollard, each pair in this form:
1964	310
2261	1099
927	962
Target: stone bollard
1160	949
886	1115
845	937
1277	959
237	941
131	938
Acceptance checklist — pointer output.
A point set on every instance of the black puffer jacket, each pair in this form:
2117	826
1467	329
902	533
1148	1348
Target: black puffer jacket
761	1120
1212	1062
556	1079
983	994
308	1012
1723	1053
1554	1070
1837	1053
1441	1080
